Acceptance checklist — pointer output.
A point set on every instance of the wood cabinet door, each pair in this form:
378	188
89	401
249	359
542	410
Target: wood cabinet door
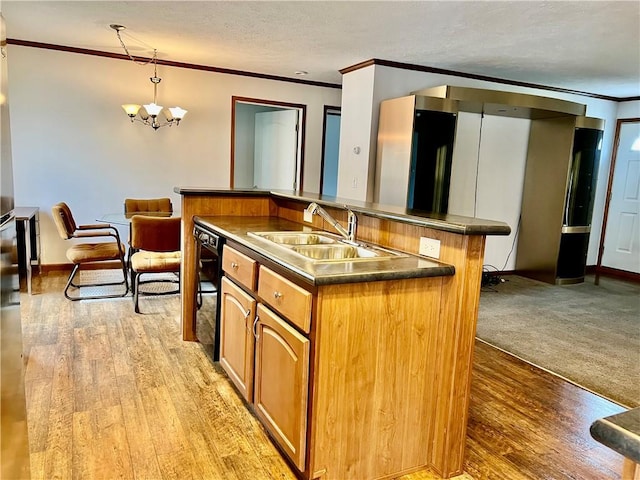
237	312
282	383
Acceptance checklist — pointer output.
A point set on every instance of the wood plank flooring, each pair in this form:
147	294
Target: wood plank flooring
112	394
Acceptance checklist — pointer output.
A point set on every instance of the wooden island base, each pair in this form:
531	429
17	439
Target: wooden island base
389	361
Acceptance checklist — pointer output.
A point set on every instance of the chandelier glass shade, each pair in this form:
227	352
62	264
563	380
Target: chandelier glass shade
151	114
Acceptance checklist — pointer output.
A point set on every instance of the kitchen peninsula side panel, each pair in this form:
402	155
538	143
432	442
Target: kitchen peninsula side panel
235	204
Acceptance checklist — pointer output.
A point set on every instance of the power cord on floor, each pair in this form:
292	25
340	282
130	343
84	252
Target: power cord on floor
491	277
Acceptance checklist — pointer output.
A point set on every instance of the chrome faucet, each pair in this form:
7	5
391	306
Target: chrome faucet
352	221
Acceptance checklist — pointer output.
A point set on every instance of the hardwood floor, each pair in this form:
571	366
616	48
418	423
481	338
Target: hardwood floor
113	394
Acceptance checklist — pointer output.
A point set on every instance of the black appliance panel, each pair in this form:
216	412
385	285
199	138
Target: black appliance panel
209	268
573	256
431	161
583	176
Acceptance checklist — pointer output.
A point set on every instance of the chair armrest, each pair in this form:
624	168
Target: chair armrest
92	234
95	226
92	231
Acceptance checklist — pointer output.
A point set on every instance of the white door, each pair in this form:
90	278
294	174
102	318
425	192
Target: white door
622	238
276	150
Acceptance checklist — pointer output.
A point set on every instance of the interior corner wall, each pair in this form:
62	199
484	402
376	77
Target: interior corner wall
72	141
356	132
630	109
382	82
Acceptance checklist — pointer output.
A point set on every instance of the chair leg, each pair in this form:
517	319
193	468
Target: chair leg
70	283
76	269
136	290
125	272
136	282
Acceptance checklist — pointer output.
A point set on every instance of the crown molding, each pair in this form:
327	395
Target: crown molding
442	71
192	66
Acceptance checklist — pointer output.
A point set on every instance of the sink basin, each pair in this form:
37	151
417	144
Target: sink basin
333	252
296	238
325	247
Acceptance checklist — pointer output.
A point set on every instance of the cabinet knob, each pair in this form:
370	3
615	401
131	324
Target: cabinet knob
234	265
277	295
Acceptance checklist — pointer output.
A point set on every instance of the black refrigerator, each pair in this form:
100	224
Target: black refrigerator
14	442
557	199
578	207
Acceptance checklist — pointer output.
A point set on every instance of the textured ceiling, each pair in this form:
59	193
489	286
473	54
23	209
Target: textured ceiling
589	46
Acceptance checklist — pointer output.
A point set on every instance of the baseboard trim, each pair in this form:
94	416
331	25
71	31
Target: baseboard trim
614	273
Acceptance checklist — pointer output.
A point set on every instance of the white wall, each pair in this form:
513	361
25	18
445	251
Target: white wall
389	82
72	141
629	109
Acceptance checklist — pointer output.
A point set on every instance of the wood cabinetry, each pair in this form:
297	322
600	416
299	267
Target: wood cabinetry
282	383
237	312
264	355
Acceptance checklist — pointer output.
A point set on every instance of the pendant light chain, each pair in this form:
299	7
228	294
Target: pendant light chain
118	28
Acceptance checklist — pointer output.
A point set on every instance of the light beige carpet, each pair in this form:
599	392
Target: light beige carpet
585	333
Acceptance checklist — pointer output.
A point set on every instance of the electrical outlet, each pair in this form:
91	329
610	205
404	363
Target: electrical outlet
429	247
308	217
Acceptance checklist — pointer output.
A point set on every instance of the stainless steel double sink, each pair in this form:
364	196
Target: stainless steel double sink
325	247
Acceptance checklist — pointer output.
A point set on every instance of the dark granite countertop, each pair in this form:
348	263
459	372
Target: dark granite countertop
445	222
620	432
319	273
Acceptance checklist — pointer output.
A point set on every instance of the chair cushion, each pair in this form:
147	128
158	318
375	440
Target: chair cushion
147	205
147	262
94	252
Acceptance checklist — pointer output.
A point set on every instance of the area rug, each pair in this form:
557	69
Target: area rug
162	283
587	334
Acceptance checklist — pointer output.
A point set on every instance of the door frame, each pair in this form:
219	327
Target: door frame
269	103
328	110
612	167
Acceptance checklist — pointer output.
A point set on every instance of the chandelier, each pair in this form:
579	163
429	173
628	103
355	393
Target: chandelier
151	114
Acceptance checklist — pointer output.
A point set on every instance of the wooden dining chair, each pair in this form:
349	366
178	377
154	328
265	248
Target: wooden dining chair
155	242
108	250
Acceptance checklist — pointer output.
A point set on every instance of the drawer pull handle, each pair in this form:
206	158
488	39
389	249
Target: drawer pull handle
234	265
277	295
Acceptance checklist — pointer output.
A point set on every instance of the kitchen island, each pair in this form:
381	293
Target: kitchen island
357	369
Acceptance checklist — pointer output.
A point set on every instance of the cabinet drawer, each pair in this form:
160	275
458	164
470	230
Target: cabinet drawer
240	267
287	298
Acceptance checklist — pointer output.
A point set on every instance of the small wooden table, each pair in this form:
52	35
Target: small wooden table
27	229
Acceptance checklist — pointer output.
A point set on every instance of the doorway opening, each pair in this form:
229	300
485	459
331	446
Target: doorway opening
330	151
267	144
